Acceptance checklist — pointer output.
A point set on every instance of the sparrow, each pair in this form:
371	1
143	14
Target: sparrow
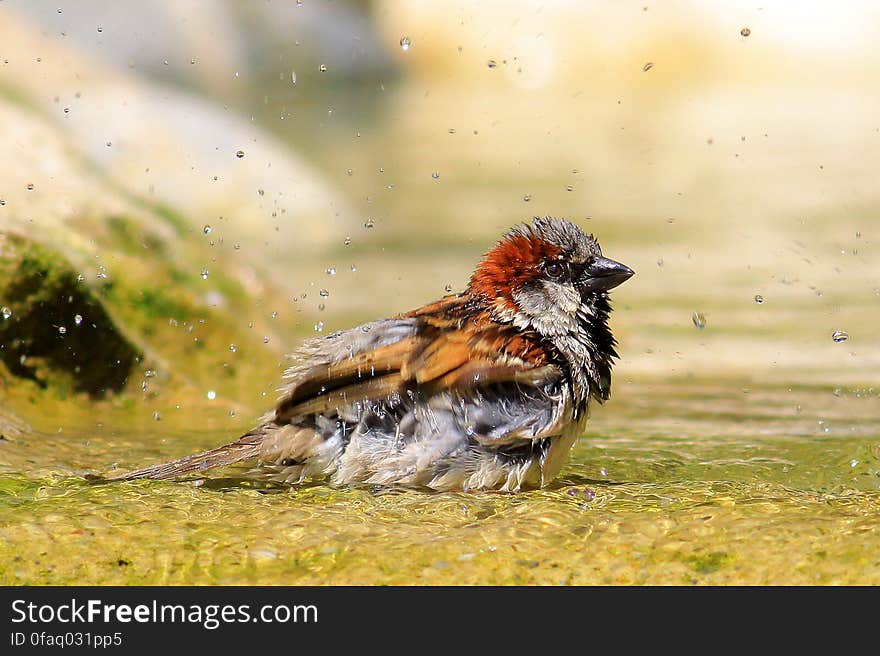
487	389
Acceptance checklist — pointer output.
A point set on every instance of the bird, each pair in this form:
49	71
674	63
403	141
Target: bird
487	389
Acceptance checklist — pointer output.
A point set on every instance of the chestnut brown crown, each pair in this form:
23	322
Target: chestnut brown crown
542	274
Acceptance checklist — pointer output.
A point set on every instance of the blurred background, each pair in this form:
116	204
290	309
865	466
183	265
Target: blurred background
227	177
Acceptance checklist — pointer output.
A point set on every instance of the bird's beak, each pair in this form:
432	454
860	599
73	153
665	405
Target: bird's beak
603	274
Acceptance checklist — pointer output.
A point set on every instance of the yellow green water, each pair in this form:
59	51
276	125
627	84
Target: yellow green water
685	483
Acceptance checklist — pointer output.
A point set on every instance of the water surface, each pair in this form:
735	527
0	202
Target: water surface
685	482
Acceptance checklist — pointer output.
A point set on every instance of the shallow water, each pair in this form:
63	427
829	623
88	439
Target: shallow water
674	483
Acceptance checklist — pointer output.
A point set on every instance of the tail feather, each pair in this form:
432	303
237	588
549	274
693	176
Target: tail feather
246	447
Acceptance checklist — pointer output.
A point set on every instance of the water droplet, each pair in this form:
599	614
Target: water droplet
648	66
62	330
448	288
347	241
527	197
745	31
492	63
5	312
322	68
30	186
435	175
239	154
405	43
353	268
2	201
293	77
207	229
331	271
204	274
274	315
157	416
236	246
369	223
232	413
603	472
266	339
839	336
150	373
319	327
211	395
349	172
321	307
233	348
853	463
324	293
77	319
699	320
759	299
569	188
67	110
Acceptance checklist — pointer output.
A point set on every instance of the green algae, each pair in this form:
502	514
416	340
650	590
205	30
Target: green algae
58	332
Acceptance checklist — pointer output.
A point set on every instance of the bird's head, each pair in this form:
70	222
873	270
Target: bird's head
548	275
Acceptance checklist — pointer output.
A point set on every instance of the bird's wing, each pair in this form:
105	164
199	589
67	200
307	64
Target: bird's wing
434	356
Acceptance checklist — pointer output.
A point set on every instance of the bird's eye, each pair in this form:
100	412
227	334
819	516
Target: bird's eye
554	269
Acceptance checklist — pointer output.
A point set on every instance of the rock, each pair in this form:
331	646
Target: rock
55	328
76	243
123	202
163	144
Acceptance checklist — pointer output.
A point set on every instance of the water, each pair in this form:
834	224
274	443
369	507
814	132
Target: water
674	483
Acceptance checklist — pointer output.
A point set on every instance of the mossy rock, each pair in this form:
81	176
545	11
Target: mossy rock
53	329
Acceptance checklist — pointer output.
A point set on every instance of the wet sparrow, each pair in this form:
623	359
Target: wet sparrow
487	389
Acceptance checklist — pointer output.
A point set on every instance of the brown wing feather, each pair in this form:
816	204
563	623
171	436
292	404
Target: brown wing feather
485	372
339	375
446	352
440	356
375	388
446	308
